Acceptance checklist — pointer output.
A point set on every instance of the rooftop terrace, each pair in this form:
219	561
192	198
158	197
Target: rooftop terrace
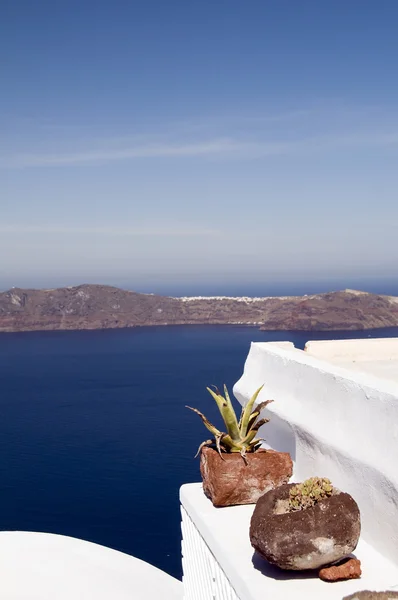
377	357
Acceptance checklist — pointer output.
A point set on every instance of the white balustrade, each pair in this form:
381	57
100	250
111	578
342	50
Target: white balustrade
203	576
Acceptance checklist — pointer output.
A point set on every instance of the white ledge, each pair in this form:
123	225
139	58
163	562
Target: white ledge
226	533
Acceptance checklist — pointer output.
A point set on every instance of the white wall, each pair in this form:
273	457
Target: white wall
44	566
335	423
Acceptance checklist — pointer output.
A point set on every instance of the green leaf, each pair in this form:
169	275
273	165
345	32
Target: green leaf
256	413
230	444
247	412
255	445
259	423
262	405
202	445
206	422
220	401
249	438
228	414
241	417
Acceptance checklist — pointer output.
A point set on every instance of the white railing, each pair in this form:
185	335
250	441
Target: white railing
203	578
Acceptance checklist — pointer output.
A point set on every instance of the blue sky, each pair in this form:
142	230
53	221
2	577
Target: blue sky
178	143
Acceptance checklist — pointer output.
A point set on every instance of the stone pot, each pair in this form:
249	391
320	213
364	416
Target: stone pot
305	539
228	481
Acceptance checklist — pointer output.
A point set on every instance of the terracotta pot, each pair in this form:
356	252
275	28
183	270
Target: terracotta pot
304	539
228	481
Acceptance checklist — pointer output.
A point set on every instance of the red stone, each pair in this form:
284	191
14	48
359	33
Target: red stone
228	481
349	569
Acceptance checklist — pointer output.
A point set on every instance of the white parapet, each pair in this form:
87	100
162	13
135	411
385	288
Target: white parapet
43	566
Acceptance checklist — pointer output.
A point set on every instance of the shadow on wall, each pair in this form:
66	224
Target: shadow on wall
278	435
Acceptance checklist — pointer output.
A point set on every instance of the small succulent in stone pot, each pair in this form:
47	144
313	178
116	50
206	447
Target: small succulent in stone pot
234	467
309	493
306	525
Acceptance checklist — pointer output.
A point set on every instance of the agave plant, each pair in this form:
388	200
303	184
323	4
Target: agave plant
241	435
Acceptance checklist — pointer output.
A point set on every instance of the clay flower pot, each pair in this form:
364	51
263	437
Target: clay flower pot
234	468
309	538
228	481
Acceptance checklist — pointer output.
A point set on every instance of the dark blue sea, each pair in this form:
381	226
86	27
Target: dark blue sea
94	437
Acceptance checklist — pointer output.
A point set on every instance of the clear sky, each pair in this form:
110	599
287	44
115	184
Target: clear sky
150	141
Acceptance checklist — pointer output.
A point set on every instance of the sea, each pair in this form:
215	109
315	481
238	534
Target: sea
95	439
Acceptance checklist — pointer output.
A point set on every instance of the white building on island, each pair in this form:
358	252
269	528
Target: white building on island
336	412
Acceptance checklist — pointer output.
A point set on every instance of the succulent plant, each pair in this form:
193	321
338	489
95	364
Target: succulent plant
309	493
241	435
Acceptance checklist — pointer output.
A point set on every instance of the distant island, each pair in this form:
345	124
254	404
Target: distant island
106	307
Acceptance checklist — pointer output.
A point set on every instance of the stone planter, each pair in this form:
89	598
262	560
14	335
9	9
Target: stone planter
305	539
228	481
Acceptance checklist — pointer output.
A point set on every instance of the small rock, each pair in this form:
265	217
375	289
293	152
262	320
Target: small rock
349	569
366	595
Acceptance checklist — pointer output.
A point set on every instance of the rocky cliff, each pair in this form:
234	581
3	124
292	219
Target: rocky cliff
102	307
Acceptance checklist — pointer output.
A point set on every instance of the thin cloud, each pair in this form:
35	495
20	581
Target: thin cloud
181	231
224	148
209	148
